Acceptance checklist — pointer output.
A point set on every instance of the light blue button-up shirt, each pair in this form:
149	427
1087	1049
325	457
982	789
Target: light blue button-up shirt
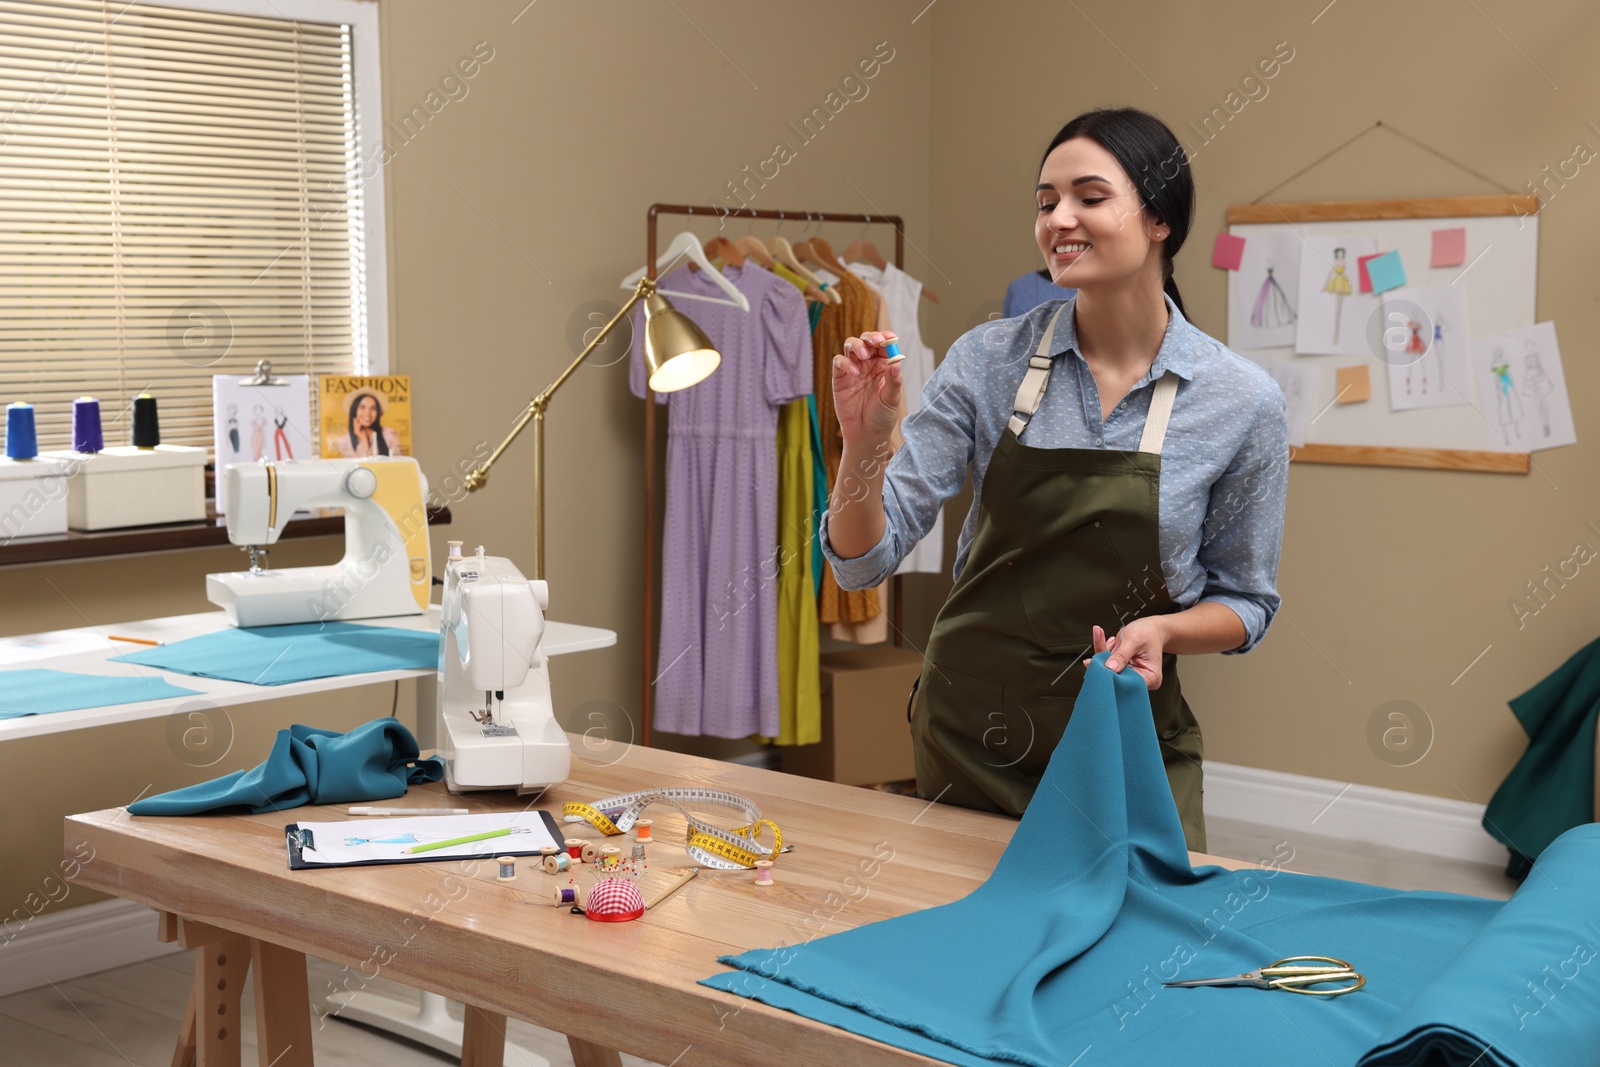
1224	465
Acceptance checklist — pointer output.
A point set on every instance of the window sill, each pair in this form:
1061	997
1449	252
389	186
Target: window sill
79	545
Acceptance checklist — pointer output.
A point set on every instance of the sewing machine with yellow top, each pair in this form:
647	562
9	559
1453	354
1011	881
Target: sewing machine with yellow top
385	570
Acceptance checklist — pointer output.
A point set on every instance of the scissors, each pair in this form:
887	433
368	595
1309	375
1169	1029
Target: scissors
1292	974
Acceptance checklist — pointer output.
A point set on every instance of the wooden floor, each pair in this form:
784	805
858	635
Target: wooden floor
129	1017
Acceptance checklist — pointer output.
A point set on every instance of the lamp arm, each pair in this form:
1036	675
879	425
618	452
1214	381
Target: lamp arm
479	475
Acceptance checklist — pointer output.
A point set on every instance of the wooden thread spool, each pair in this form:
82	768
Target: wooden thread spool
610	857
763	872
641	830
557	863
588	853
575	847
508	868
568	896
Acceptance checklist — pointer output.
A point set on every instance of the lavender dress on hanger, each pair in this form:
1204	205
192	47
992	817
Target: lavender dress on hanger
717	672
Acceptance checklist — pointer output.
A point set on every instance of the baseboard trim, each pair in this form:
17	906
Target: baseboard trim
1435	826
60	946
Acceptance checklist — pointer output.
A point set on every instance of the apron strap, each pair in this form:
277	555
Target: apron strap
1155	423
1030	394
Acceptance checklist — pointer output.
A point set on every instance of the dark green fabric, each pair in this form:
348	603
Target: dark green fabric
1067	539
1551	789
375	761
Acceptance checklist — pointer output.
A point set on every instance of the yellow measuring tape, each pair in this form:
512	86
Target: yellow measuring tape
709	844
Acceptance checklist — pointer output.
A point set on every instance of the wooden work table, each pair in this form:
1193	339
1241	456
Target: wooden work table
503	949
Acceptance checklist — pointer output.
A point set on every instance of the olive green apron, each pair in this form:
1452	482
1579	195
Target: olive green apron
1067	539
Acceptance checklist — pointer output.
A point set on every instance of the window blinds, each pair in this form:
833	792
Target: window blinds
179	197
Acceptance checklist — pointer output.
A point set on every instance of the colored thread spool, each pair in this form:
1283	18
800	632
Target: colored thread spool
508	868
892	350
549	850
22	440
566	896
575	847
763	872
86	432
638	850
641	830
610	856
589	853
557	863
146	425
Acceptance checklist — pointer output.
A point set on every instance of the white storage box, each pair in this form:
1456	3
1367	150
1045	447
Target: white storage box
127	486
33	498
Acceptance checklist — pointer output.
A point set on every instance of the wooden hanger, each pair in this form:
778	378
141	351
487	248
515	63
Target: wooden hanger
725	250
785	253
751	246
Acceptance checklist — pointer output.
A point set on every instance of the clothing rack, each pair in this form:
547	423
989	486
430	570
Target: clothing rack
650	544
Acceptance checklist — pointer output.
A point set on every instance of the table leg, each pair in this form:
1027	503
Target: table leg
219	973
283	1005
588	1054
183	1055
483	1039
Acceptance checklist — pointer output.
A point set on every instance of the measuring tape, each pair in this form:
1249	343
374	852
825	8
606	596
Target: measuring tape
709	845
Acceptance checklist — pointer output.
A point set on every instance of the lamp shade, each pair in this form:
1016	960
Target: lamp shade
677	353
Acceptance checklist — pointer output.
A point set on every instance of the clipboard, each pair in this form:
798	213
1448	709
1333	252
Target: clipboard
377	842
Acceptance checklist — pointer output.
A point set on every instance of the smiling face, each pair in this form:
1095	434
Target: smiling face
366	413
1092	226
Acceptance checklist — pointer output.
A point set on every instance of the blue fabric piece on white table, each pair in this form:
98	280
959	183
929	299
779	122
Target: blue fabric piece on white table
1060	956
278	655
38	691
375	761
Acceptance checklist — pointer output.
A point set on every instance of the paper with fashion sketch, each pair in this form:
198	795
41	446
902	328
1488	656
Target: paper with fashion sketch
340	844
1522	390
1299	384
256	422
1427	347
1332	314
1268	291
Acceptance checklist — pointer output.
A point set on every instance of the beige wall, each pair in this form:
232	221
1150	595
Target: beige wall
1393	581
522	202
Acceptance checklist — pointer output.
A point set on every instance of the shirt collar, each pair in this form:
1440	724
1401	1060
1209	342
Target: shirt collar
1178	345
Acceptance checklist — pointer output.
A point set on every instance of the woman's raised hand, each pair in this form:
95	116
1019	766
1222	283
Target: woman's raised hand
866	389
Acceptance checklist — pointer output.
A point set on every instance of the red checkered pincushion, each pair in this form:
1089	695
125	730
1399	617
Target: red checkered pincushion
614	900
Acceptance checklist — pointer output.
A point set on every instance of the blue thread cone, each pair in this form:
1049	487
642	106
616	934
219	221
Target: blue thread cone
22	441
86	432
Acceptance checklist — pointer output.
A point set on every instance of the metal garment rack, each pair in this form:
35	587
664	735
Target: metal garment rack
650	547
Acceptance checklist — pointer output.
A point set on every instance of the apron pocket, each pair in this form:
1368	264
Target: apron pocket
951	705
1079	584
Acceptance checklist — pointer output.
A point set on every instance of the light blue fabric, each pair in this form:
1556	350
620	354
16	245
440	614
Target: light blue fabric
1029	291
375	761
35	691
278	655
1060	956
1224	467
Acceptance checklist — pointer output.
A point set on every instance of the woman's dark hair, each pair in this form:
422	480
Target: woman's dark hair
377	424
1153	158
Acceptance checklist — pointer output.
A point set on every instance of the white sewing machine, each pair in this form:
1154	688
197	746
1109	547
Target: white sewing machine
385	569
497	724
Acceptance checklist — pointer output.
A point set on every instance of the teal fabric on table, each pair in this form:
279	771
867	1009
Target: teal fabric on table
38	691
375	761
1552	787
278	655
1059	957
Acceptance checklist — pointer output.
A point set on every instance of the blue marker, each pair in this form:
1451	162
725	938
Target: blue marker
892	350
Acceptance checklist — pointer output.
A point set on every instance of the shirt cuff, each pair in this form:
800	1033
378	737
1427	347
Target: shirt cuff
1250	613
862	572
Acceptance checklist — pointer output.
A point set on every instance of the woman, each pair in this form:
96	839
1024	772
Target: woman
366	435
1129	475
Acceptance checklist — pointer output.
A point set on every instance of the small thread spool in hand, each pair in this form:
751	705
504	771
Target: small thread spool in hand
892	350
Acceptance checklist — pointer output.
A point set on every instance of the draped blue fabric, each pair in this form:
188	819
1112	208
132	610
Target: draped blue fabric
1058	959
375	761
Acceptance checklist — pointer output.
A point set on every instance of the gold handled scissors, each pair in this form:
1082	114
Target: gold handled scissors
1292	974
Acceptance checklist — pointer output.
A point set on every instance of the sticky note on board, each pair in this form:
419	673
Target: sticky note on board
1352	384
1364	280
1449	247
1227	252
1386	272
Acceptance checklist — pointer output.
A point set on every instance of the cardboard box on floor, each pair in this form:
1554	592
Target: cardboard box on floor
865	736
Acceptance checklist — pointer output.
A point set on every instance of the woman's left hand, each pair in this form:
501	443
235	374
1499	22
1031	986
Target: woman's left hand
1139	645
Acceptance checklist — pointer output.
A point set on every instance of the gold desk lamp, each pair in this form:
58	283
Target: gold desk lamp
677	354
